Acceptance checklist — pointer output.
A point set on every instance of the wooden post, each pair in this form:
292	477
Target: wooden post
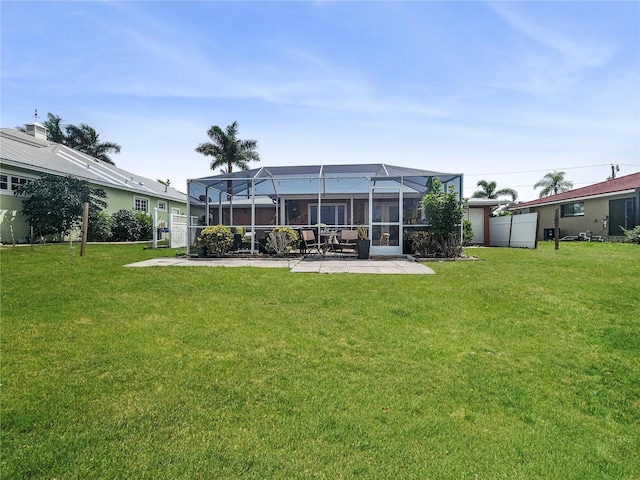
85	225
556	227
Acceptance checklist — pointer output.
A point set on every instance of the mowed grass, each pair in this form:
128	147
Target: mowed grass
523	365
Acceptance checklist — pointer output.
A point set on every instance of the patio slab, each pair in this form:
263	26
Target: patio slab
395	266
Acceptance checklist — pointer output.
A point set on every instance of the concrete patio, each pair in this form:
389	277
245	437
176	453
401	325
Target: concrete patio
392	266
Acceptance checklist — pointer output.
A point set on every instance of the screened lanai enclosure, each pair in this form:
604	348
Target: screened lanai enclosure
384	198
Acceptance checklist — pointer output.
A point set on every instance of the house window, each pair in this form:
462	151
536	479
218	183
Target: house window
4	182
17	181
330	214
175	211
162	206
572	210
141	204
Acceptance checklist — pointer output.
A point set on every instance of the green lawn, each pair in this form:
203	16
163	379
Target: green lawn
523	365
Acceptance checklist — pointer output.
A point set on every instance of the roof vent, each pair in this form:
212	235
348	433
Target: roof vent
36	130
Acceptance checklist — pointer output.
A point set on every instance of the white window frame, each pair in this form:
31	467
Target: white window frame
162	205
336	214
22	180
141	200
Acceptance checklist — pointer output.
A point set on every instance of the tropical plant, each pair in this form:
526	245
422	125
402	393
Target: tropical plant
633	234
227	150
217	239
282	240
488	190
362	232
126	227
85	139
54	204
53	125
82	138
444	212
421	243
553	183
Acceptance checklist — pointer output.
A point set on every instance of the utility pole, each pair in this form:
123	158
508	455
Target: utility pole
85	227
556	228
614	169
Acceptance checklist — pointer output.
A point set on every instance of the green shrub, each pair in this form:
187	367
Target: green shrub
467	231
421	243
217	239
146	225
282	240
99	228
633	235
126	227
444	212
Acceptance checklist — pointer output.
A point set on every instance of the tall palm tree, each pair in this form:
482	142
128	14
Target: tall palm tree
552	183
488	190
86	140
53	123
227	150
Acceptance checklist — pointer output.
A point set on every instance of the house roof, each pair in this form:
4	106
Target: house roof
627	183
325	179
22	150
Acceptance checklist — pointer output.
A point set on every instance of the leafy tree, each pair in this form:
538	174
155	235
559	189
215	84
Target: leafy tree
227	150
86	140
54	204
444	213
552	183
488	190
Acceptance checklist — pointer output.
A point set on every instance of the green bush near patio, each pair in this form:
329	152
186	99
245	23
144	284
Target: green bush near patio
523	365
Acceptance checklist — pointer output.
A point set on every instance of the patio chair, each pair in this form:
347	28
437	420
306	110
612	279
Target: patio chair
311	246
347	241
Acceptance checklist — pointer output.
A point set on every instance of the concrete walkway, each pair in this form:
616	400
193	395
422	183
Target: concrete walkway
393	266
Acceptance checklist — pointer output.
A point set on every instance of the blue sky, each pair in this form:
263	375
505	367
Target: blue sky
503	91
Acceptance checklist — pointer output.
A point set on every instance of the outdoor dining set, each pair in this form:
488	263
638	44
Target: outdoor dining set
334	242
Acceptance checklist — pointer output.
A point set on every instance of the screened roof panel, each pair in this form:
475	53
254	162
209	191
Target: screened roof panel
300	171
329	179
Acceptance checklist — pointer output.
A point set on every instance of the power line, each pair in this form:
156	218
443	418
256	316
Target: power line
531	185
546	170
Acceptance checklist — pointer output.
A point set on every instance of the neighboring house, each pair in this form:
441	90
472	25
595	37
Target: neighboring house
600	209
26	156
479	212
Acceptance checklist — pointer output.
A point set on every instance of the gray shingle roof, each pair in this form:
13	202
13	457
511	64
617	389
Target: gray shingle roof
22	150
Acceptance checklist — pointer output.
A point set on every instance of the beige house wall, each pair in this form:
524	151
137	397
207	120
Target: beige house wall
595	211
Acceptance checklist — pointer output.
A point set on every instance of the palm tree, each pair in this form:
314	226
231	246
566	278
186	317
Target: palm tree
54	128
552	183
86	140
227	150
488	190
